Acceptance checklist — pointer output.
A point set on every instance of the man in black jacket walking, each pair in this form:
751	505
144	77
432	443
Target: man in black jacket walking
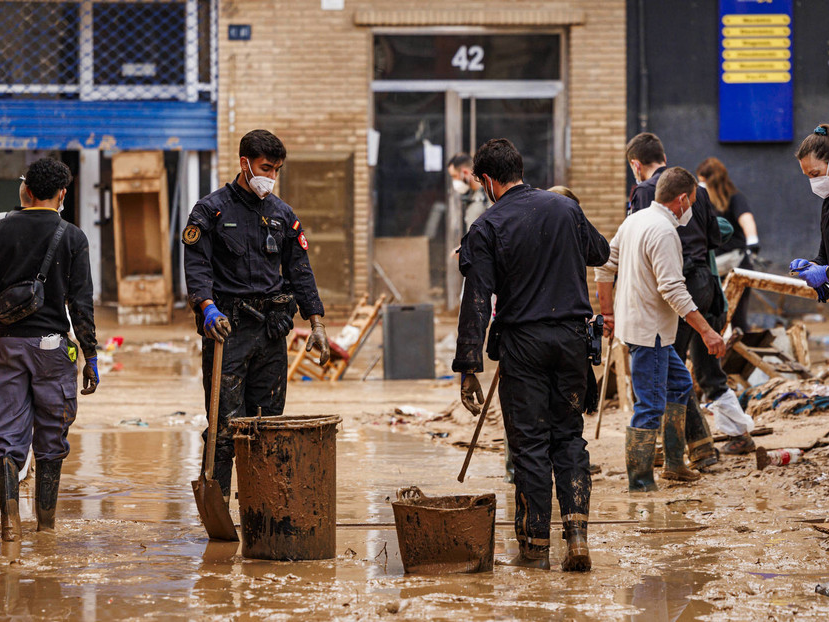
38	369
531	249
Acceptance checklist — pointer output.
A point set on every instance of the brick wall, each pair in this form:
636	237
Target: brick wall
305	75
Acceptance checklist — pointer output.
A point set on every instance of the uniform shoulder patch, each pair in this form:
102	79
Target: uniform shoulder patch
303	241
191	234
296	226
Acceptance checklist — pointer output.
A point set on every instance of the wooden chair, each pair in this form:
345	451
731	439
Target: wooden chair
363	317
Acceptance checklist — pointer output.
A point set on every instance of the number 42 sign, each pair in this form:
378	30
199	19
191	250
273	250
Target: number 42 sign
469	59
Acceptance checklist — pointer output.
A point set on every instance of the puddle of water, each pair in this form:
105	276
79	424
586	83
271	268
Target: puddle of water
666	598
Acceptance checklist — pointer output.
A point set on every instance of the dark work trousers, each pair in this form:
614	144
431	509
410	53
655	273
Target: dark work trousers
38	392
542	388
707	368
254	372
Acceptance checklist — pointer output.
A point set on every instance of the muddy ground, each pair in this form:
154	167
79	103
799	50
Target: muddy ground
734	546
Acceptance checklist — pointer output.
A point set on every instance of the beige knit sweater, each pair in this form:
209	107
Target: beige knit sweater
650	291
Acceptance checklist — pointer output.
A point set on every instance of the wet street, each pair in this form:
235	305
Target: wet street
130	545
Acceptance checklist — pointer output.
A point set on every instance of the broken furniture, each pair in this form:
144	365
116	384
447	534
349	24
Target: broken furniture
745	352
363	318
141	234
738	280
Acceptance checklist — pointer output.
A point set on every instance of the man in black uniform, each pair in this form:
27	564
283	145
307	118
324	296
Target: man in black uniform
531	249
646	157
247	270
38	369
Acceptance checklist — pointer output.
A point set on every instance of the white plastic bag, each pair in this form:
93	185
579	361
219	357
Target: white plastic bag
729	416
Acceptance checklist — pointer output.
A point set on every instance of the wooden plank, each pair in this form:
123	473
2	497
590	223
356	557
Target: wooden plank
755	360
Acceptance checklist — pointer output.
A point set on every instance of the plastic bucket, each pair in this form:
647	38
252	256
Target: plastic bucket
286	468
444	535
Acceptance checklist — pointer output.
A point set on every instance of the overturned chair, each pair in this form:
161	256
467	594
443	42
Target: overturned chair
357	329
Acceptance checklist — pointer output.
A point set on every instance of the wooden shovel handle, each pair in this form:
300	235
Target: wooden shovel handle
213	415
478	427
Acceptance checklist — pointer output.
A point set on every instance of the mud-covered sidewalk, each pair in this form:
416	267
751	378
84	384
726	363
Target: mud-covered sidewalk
741	544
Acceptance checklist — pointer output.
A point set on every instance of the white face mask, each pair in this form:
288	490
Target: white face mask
686	215
702	184
261	186
460	186
820	185
490	192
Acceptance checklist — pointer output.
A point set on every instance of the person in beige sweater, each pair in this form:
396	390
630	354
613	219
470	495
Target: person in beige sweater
646	254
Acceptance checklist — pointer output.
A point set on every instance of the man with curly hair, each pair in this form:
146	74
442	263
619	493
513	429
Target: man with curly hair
38	369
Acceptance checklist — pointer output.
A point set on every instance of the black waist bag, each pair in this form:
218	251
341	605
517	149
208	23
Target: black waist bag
21	299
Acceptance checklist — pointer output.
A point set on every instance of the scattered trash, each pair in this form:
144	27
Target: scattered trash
136	422
162	346
113	343
414	411
777	457
822	588
812	318
438	434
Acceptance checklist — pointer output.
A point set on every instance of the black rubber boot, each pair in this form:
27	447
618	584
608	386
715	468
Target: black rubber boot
47	484
640	447
9	501
674	441
577	558
222	473
532	555
698	439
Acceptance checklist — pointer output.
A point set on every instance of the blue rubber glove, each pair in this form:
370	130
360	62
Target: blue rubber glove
216	324
797	265
90	376
814	275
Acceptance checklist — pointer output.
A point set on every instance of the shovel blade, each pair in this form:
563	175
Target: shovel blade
213	511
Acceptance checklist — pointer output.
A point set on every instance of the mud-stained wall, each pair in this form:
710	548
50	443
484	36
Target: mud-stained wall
305	74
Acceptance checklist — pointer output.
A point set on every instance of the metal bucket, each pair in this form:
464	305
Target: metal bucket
287	473
444	535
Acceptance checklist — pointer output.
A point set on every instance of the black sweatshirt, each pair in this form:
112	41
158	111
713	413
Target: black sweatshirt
24	239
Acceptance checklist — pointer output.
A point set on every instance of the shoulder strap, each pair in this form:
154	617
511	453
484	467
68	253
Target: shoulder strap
50	254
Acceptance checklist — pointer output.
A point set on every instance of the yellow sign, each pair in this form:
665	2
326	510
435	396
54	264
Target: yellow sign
756	20
762	31
756	54
757	43
779	77
771	65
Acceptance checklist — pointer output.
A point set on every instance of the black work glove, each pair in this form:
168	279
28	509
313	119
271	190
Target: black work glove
753	249
319	339
471	389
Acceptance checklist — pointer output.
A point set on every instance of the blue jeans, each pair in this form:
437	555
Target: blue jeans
658	376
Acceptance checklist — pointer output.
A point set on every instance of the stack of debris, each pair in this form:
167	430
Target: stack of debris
779	397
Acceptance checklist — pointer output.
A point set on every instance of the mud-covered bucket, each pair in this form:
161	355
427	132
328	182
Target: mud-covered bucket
443	535
287	473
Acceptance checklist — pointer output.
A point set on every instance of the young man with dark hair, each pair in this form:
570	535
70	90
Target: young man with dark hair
247	270
647	160
473	199
532	249
651	295
38	369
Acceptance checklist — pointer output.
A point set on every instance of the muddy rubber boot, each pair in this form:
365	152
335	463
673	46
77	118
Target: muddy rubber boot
47	483
577	558
532	556
640	446
738	445
222	473
659	456
9	501
674	440
698	439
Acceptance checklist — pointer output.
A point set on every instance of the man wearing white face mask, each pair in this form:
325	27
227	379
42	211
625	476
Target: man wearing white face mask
473	198
647	255
813	155
247	270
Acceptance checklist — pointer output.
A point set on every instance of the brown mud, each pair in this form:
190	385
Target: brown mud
733	546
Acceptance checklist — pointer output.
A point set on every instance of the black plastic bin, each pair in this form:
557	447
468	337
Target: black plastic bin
408	342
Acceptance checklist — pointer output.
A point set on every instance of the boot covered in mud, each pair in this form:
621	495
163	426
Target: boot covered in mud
674	441
738	445
659	456
577	558
9	501
640	447
698	439
47	483
532	553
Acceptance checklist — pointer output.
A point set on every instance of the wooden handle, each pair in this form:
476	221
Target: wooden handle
478	427
603	390
213	415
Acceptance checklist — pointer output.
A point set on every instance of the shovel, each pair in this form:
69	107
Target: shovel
213	511
478	427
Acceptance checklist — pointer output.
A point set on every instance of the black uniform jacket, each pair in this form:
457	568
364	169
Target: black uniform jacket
25	236
822	255
224	250
698	236
532	249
